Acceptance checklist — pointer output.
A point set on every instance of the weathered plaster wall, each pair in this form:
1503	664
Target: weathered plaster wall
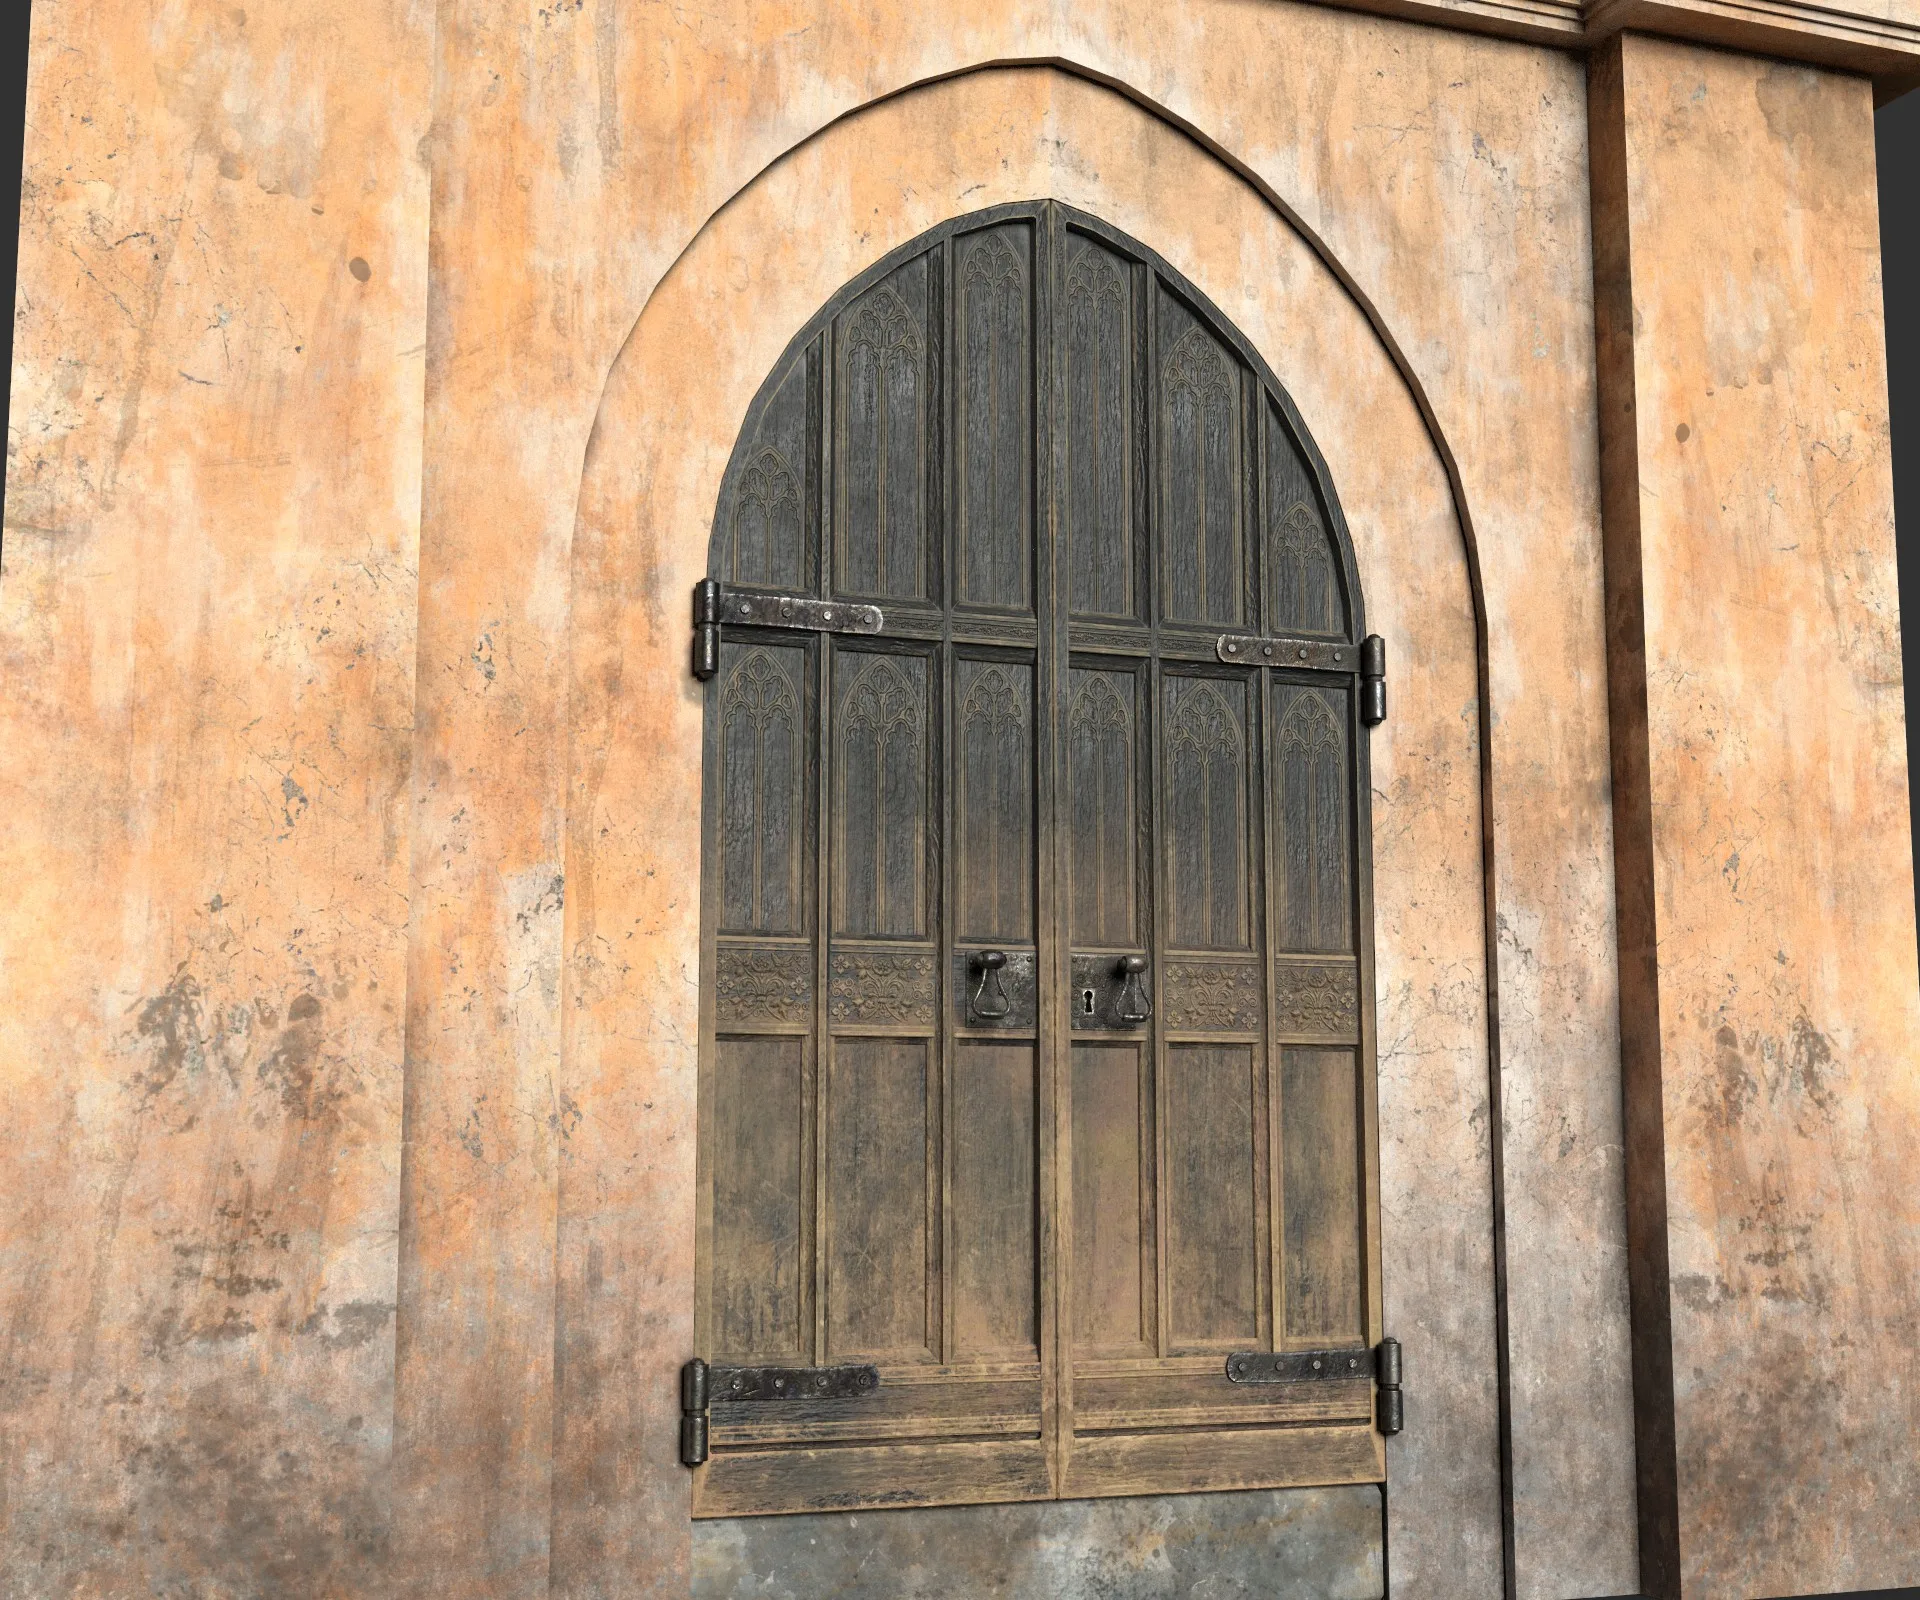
206	653
575	152
714	329
1766	880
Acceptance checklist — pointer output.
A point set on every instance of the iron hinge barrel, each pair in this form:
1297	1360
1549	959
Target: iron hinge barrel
1373	682
693	1413
716	603
703	1387
1368	659
1390	1410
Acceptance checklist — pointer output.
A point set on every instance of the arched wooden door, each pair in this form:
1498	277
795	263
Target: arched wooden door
1037	1146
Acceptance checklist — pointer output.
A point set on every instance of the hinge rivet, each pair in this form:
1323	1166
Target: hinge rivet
746	608
1303	652
1266	650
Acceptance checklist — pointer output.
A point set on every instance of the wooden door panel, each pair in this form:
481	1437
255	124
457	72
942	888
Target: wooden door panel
993	801
1314	791
993	1232
1211	1195
1306	591
1239	1458
854	1477
761	1299
882	1272
993	395
770	531
1206	811
1113	1228
1134	1396
1103	811
1203	457
884	404
910	1403
765	734
1321	1201
880	857
1049	1206
1099	429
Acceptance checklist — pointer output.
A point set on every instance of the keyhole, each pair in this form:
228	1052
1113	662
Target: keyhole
1086	1002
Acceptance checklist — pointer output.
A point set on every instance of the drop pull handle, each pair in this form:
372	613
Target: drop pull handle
990	996
1132	1007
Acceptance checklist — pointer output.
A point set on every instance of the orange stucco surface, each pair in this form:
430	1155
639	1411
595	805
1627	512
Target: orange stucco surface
374	373
1774	1090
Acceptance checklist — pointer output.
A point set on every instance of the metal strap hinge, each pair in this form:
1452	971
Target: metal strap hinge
1368	659
1329	1366
703	1386
716	603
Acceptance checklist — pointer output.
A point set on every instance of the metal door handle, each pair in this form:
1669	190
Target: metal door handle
1133	1007
990	998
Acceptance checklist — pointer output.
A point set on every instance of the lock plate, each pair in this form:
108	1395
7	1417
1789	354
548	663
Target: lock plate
1100	977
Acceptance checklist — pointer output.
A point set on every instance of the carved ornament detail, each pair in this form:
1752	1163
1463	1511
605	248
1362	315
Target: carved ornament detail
763	983
881	986
1220	996
1320	998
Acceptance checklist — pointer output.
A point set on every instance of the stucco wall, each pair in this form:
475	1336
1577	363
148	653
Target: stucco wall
342	1213
207	628
1767	876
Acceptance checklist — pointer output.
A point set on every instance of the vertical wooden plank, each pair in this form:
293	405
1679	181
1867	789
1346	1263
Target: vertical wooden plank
823	769
1320	1159
1206	827
764	510
994	804
763	737
993	395
1112	1211
1314	798
881	421
1202	450
756	1250
1305	584
880	788
1101	796
1212	1247
1050	639
995	1224
877	1246
1097	423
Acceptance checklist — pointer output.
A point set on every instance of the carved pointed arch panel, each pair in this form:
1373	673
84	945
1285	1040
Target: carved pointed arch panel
1037	1062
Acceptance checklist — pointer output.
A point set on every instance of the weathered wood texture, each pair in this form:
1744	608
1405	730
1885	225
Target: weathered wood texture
923	1185
1765	870
206	645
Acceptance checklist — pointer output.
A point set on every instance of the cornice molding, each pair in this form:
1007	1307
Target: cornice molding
1882	44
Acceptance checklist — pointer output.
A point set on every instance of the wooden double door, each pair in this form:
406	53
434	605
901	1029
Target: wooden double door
1037	1068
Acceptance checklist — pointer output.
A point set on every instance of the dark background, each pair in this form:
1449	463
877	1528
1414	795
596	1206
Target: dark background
1899	153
